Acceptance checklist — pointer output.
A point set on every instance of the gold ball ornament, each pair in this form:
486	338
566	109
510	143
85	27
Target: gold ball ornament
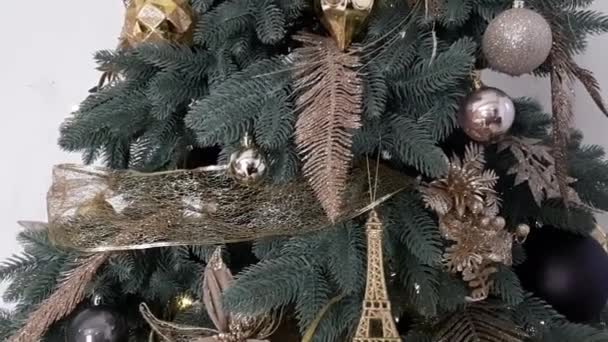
487	114
344	19
156	21
248	165
498	223
517	41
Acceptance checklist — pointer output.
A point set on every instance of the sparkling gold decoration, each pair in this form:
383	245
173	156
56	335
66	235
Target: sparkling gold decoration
479	322
517	41
191	207
563	71
329	103
229	327
153	21
248	165
344	18
468	207
536	166
376	323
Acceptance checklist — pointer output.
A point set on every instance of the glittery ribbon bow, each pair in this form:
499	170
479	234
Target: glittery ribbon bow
229	327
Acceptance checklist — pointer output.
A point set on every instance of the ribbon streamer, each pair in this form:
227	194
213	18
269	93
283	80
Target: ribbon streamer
100	210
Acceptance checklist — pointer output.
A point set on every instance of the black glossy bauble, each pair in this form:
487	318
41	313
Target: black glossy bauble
98	324
568	271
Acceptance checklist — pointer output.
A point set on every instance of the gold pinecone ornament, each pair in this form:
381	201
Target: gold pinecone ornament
155	21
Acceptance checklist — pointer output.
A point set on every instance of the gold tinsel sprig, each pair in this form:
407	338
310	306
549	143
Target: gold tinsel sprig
468	206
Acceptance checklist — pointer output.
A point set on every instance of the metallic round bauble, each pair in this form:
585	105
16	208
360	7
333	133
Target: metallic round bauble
98	324
487	114
521	232
248	165
498	222
477	207
485	221
517	41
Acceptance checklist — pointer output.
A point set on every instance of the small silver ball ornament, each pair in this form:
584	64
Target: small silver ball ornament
521	232
248	165
487	114
517	41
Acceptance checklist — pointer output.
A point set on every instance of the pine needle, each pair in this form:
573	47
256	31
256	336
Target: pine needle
62	302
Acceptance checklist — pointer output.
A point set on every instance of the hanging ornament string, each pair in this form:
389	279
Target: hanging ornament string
376	306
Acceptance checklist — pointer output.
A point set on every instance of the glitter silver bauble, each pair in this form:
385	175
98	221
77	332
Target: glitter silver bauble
248	164
487	114
517	41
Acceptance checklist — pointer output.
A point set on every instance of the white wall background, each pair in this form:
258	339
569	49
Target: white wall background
46	67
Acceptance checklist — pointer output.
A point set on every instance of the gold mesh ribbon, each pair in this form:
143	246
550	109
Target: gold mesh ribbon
96	209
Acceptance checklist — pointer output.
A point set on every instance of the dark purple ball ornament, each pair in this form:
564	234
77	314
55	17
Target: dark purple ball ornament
568	271
98	324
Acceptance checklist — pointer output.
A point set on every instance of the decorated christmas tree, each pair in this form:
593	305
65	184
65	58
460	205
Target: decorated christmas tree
327	170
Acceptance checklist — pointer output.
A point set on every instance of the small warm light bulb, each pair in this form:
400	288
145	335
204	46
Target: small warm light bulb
185	302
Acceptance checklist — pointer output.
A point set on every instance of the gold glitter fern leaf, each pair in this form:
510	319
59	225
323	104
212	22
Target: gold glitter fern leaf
536	166
479	322
329	102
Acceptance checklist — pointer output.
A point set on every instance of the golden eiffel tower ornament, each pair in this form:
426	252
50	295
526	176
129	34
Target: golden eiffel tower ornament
376	323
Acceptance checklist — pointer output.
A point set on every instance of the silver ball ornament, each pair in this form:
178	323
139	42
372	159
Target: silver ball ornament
487	114
248	165
521	232
517	41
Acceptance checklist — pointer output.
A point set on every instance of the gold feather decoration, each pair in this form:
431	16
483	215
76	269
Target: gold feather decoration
562	121
536	166
329	103
468	206
479	322
69	293
563	72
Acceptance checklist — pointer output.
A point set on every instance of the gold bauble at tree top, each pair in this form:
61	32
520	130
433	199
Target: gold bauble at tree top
344	18
154	21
